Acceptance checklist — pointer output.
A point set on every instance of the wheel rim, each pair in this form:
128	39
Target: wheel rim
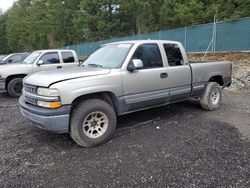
18	87
95	124
215	96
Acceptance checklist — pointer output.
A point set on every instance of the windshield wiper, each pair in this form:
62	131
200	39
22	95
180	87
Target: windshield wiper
95	65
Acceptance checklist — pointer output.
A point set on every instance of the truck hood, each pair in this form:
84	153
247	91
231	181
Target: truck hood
14	68
46	78
10	66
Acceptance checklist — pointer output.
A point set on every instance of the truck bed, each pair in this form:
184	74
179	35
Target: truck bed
202	71
192	62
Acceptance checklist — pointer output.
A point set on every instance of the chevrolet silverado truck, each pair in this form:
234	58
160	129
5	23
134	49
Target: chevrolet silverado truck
11	75
119	78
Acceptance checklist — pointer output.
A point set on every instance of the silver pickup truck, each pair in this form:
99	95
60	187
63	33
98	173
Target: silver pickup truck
11	75
117	79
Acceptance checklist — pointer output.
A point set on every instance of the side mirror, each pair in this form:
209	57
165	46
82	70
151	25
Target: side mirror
40	62
10	60
135	64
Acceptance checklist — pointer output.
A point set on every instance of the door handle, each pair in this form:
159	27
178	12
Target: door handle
59	67
164	75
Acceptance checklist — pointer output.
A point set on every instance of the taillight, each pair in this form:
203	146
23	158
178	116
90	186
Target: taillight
228	73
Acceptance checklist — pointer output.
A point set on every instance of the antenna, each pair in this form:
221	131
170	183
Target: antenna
213	40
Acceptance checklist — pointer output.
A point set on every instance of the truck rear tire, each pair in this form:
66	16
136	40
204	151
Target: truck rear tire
212	97
14	87
92	123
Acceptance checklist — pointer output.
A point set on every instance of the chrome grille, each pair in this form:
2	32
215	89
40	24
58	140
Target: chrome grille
28	97
30	100
30	89
31	96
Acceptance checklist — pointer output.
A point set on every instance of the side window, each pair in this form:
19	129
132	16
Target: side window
68	57
150	55
173	54
50	58
16	59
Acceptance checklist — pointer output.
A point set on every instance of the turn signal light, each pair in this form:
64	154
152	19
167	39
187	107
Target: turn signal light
49	104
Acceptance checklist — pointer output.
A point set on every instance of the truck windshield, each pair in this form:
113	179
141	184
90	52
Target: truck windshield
2	57
31	58
6	57
110	56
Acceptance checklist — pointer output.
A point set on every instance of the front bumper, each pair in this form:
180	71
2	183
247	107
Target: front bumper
2	85
54	120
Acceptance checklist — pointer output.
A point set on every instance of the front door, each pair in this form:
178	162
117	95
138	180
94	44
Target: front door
145	87
50	61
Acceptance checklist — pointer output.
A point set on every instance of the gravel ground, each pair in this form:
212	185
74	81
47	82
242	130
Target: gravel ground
179	145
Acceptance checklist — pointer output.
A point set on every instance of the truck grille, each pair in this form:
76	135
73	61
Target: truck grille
31	96
30	89
30	100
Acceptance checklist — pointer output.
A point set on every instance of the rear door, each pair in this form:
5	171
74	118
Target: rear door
68	59
51	60
179	73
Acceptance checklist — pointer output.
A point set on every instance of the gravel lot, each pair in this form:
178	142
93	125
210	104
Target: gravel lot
179	145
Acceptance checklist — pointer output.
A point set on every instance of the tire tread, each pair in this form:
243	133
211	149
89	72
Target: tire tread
205	98
80	110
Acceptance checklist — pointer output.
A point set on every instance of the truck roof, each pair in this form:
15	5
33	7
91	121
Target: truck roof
145	41
53	50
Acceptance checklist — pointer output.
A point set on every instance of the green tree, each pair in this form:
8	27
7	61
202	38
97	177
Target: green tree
105	19
3	39
177	13
17	31
36	24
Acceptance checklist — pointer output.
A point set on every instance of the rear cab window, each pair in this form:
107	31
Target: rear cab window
68	57
173	54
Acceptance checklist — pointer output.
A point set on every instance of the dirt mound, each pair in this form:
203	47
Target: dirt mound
241	66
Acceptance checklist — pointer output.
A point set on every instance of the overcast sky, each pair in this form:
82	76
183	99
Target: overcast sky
6	4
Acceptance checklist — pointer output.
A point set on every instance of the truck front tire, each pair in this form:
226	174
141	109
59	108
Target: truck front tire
92	123
212	97
14	87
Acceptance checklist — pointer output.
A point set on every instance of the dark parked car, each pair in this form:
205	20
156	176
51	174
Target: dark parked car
14	58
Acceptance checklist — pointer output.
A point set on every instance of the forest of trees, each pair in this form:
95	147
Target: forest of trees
40	24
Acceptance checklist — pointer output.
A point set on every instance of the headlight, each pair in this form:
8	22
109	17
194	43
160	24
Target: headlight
48	92
49	104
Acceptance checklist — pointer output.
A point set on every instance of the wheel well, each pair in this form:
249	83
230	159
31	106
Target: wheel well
108	97
9	78
217	79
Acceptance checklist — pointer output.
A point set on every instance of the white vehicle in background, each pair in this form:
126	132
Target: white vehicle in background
13	58
11	75
2	56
